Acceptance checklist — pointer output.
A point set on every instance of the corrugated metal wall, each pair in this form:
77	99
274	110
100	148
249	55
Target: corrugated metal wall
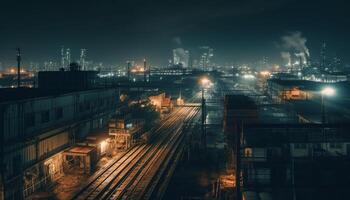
29	154
52	143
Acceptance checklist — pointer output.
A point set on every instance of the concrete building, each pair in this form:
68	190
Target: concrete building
67	79
37	126
205	59
295	161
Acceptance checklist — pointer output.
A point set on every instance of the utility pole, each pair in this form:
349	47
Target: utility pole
18	67
239	132
204	142
149	73
323	109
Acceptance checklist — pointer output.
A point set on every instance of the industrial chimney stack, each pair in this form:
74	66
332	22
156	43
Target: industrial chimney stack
144	70
18	67
128	70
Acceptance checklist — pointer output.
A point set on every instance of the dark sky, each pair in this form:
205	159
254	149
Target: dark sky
115	30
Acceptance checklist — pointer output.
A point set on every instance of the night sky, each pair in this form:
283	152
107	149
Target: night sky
114	31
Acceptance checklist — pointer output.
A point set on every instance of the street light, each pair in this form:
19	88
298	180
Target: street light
205	83
327	91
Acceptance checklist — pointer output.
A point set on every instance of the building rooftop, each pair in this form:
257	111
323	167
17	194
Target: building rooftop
16	94
239	102
79	150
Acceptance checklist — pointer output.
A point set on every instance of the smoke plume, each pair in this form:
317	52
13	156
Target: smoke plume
294	42
177	41
287	57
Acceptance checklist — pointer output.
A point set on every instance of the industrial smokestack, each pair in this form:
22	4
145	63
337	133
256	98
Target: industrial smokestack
128	70
18	67
144	70
149	73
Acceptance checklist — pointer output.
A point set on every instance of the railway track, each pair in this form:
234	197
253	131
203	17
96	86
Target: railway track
113	180
136	186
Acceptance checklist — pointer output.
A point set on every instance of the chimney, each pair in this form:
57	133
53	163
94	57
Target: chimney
144	70
18	67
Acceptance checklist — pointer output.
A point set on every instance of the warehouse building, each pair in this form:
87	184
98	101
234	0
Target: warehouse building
37	126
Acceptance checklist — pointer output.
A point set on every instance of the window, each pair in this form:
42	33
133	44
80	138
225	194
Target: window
59	113
300	146
317	146
29	120
81	107
45	116
336	145
16	164
87	105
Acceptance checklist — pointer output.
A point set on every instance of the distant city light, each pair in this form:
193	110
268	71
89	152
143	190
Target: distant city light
265	73
248	76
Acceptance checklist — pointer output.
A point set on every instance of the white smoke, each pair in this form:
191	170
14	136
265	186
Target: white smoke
181	56
302	56
294	42
287	57
177	41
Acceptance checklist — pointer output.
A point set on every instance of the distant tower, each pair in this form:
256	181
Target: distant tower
323	56
205	60
63	58
149	73
68	57
82	59
128	70
144	70
18	67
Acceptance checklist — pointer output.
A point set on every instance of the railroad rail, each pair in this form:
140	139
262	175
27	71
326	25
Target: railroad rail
130	171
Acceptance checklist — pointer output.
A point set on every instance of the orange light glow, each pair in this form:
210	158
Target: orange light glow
265	73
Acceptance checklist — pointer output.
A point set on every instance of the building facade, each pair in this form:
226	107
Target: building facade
36	129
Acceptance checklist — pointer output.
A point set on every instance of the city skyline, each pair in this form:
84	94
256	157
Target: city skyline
114	32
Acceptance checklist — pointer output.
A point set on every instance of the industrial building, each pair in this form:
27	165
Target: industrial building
307	161
162	103
38	125
125	130
276	156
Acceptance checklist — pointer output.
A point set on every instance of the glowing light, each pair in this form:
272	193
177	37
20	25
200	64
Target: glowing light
205	82
265	73
103	146
328	91
248	76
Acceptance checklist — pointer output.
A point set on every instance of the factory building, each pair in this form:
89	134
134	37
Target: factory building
283	90
294	161
238	110
125	130
162	103
37	126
